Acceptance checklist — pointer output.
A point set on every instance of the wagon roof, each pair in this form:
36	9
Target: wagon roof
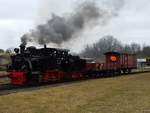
117	53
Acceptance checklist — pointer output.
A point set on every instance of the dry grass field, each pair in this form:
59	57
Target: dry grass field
124	94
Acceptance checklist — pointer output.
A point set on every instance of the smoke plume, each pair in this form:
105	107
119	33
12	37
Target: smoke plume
62	29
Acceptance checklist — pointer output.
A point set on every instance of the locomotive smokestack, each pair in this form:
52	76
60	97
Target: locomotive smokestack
22	48
45	46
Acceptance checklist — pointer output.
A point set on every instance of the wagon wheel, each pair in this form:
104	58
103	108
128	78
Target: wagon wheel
129	70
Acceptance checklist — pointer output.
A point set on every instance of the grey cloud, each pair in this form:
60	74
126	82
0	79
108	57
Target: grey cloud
18	9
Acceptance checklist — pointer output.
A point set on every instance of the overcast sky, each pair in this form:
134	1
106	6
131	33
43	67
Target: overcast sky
20	16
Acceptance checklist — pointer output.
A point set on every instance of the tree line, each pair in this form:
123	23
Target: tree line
106	44
109	43
8	51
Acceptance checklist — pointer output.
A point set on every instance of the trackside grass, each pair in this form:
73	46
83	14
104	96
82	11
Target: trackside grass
124	94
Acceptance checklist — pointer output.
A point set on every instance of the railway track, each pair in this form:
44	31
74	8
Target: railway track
6	89
137	72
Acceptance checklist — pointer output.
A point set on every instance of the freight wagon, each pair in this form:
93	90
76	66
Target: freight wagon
115	63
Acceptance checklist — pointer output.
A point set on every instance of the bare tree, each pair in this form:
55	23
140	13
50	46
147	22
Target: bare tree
105	44
109	43
135	48
146	51
127	48
1	51
10	50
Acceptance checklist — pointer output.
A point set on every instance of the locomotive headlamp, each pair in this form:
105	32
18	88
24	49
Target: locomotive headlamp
16	50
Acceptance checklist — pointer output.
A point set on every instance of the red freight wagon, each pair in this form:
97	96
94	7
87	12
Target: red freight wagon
115	64
121	61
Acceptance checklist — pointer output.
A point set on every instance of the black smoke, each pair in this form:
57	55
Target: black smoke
62	29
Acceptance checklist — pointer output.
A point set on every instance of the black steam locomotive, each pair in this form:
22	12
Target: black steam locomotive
34	62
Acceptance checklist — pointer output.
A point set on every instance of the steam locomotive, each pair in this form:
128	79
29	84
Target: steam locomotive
33	66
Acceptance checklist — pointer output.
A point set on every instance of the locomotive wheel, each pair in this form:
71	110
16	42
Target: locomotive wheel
34	78
118	72
124	71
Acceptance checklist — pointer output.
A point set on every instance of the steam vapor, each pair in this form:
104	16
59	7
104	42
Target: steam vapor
62	29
